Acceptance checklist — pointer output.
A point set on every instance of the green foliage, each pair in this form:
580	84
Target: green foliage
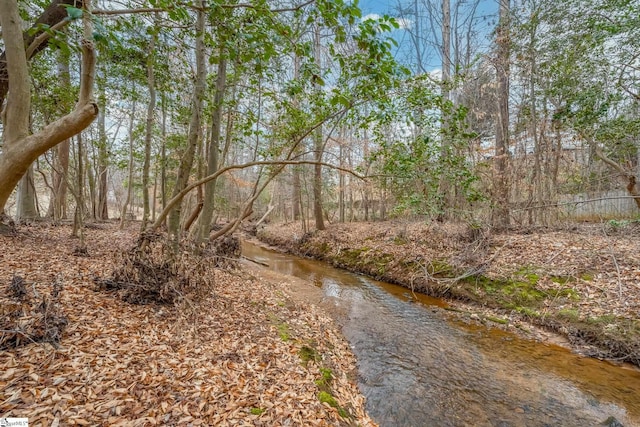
257	411
583	68
309	354
325	380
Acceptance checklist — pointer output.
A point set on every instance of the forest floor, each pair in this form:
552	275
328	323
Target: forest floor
247	354
578	286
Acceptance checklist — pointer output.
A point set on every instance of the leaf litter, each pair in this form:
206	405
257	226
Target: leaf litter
218	361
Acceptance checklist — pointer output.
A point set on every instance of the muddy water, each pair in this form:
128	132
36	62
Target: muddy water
418	366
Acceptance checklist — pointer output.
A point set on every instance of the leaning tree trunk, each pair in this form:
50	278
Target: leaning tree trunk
36	38
20	149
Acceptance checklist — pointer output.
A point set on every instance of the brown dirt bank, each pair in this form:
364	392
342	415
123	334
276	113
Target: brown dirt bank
582	283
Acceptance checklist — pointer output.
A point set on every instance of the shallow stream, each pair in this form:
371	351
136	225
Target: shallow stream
420	366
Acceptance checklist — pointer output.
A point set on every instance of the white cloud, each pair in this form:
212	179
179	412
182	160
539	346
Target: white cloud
404	23
371	17
436	74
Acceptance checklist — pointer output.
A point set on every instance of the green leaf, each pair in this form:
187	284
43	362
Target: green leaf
73	13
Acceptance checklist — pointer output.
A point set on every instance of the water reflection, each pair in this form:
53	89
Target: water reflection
420	367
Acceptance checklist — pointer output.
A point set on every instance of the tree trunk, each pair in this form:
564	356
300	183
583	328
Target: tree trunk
21	149
151	82
125	205
341	179
78	218
444	185
317	145
54	15
186	163
501	212
204	224
102	211
163	153
26	197
58	201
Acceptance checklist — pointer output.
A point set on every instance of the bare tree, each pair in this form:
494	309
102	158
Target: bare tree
501	184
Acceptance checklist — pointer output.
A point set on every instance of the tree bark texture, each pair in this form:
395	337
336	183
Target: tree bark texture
151	82
204	224
501	211
58	202
318	148
103	162
186	163
26	198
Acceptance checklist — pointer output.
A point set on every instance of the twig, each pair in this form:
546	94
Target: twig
15	331
615	263
469	273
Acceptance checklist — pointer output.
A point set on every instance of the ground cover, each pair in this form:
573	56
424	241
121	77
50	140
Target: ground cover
247	354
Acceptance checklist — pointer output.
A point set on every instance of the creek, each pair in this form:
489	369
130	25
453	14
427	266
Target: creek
419	365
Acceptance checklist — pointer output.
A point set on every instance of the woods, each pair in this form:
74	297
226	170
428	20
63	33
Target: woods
482	151
486	113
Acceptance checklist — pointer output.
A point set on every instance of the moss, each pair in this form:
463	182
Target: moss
441	268
562	280
527	311
284	332
569	293
350	257
283	329
528	275
497	320
324	248
523	293
308	354
325	380
587	276
571	314
257	411
400	240
327	398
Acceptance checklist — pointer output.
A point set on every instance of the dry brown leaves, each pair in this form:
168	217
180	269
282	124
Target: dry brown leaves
121	364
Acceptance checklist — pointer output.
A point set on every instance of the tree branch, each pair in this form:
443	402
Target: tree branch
175	200
108	12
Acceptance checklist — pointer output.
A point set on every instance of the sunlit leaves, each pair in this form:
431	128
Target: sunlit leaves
73	12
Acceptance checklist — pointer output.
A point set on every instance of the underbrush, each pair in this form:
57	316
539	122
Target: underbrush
31	314
156	270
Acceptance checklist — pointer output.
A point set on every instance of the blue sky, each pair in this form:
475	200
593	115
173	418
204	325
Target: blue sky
486	14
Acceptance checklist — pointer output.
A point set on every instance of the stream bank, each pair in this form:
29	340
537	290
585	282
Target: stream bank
583	283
